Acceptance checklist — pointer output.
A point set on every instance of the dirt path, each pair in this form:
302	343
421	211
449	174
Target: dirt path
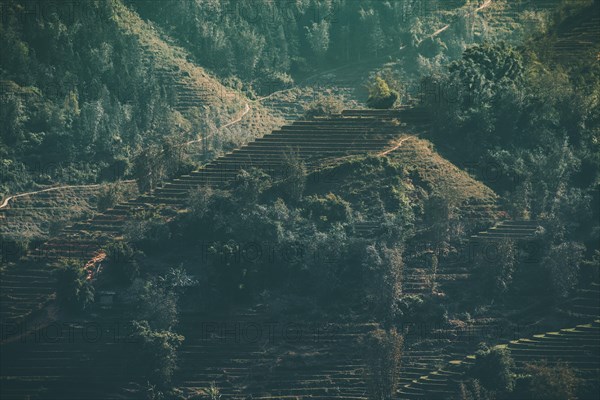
227	125
398	145
485	5
9	198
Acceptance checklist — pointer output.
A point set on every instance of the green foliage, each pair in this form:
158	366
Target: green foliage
73	289
111	195
250	185
199	201
494	368
590	269
317	36
323	106
176	280
121	264
472	390
12	249
495	264
552	382
153	306
77	93
485	68
149	168
294	178
213	392
154	303
425	309
328	209
383	269
380	94
562	263
252	39
148	231
158	354
383	355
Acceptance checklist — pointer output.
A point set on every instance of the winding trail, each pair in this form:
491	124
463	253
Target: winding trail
9	198
485	5
398	145
247	109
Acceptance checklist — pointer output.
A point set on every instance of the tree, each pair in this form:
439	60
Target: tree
383	356
157	358
472	390
495	264
155	303
318	37
384	271
562	263
328	209
110	195
494	368
380	94
249	185
294	177
199	201
552	382
121	263
323	106
13	117
149	168
73	289
484	68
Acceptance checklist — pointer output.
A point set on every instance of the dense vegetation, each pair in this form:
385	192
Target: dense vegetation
80	105
77	101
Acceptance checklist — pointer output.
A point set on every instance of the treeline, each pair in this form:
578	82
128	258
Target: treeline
527	127
77	101
267	44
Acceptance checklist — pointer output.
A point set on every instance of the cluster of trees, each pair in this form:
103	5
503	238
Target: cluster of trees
78	97
266	44
532	126
494	376
77	100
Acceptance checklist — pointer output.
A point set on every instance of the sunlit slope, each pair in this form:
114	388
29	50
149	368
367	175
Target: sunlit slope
195	90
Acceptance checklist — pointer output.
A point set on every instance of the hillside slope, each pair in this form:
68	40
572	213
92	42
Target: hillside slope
197	94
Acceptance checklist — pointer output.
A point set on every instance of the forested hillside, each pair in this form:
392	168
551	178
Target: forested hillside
265	44
306	199
85	90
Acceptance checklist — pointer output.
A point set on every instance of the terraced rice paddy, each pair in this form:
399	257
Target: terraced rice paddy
578	346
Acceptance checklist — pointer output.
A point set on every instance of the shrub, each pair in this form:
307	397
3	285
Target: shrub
13	249
158	352
472	390
380	95
494	368
154	302
148	232
562	263
111	194
149	168
73	289
294	178
495	265
420	309
249	185
213	392
328	209
121	263
558	382
199	201
384	271
323	106
383	356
